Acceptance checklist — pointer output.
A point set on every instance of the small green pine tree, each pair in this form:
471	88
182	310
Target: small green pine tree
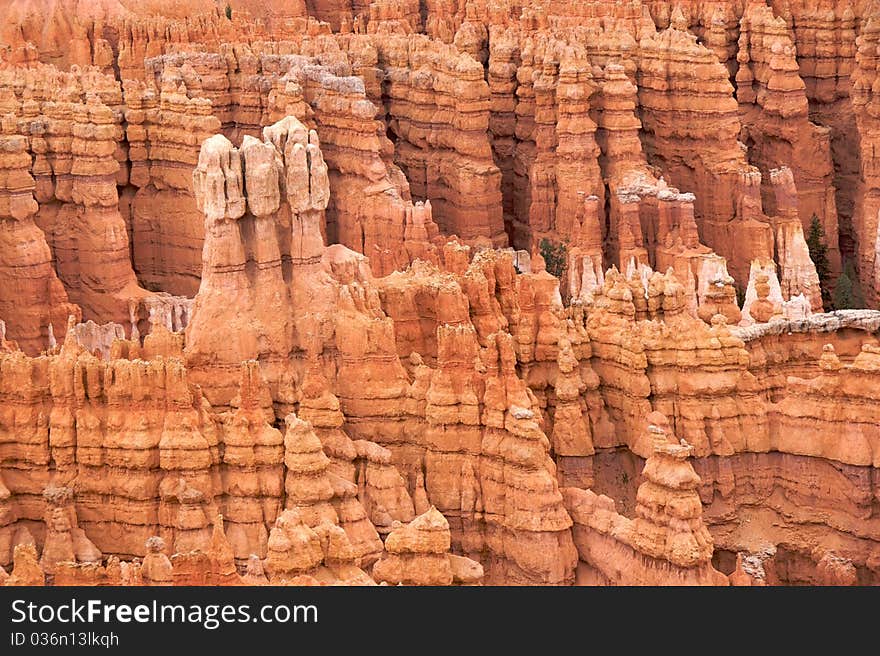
555	256
856	296
843	293
819	254
228	12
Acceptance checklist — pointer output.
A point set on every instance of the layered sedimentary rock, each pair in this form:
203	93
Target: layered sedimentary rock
667	543
797	271
26	570
825	75
693	155
320	496
297	349
370	208
31	297
438	110
776	123
71	128
301	555
74	133
508	504
137	419
65	541
865	225
243	257
215	566
418	554
164	129
253	474
345	468
530	306
363	338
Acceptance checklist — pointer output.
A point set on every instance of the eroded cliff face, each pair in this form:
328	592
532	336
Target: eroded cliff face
450	293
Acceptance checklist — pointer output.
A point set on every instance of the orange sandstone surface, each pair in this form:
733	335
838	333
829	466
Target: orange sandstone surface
452	293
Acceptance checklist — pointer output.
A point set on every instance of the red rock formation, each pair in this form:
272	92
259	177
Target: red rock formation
584	268
65	541
137	419
418	554
556	156
67	34
716	160
73	124
246	214
77	173
776	125
298	553
165	128
438	109
320	407
512	447
369	209
381	488
31	296
231	251
308	483
762	309
706	408
866	197
26	570
797	272
214	567
749	571
253	472
393	17
156	568
667	543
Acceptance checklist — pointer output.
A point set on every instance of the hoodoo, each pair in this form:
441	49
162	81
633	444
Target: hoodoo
383	292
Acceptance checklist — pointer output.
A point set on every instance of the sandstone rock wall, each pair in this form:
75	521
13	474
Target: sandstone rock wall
437	105
31	297
666	543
